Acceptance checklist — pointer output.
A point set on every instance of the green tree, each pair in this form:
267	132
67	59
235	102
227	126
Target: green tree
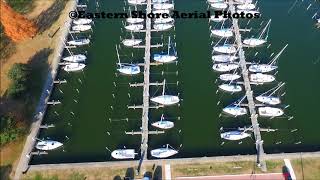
9	130
18	75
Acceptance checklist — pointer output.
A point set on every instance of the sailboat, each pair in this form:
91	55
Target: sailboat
165	58
229	77
159	6
225	67
234	135
270	111
269	99
263	68
219	6
131	20
235	109
165	99
246	6
131	42
161	11
75	58
79	42
217	19
162	27
126	68
163	152
47	145
137	2
226	49
163	20
244	1
134	27
71	67
261	78
224	58
82	21
225	32
253	42
230	87
160	1
123	154
215	1
163	124
81	27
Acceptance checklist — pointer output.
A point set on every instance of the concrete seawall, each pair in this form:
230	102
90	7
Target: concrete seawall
25	157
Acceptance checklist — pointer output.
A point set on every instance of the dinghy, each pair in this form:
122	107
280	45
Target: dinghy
235	110
261	78
123	154
226	49
134	27
165	100
225	67
271	100
84	27
82	21
229	77
224	58
222	32
71	67
47	145
219	6
270	111
75	58
163	20
249	6
234	135
134	20
163	152
131	42
230	87
162	27
163	124
160	6
79	42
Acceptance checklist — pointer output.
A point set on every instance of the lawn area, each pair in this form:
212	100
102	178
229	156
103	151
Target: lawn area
21	6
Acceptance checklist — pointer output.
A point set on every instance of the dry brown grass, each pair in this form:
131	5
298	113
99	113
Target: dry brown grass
307	168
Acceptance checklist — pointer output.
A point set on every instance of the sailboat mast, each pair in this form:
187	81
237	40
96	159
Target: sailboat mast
118	54
264	29
279	86
169	44
163	87
278	55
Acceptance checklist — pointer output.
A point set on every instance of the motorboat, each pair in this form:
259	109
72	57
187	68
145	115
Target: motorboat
134	20
163	152
271	100
82	21
134	27
162	27
261	78
234	135
81	27
47	145
79	42
247	6
225	67
219	6
131	42
222	32
226	49
229	77
165	100
163	124
75	58
270	111
235	110
123	154
230	88
71	67
163	20
128	69
159	6
224	58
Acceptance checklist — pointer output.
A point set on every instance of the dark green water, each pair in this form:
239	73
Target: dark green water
85	134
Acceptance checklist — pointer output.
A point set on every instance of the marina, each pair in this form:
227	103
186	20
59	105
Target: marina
149	95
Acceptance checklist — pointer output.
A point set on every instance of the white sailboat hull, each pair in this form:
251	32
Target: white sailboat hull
224	58
162	27
270	111
134	20
160	6
224	67
227	49
218	19
229	77
166	99
219	6
123	154
244	1
246	6
128	69
253	42
164	58
131	42
234	135
215	1
48	145
82	21
161	11
261	78
163	124
222	32
137	2
134	27
269	100
74	67
78	42
262	68
235	111
75	58
163	152
230	88
163	20
81	28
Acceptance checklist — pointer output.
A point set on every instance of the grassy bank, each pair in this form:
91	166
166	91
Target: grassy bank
21	6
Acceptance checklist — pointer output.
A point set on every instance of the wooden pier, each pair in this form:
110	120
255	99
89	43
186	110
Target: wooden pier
253	115
140	132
